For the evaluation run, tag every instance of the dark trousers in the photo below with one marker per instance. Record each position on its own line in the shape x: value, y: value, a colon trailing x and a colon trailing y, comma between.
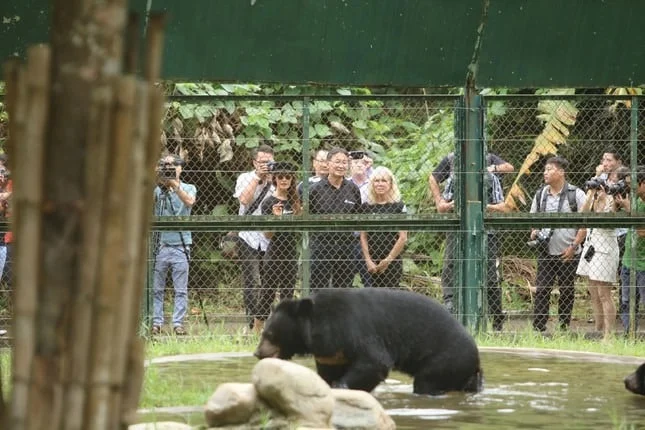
x: 251, y: 263
x: 493, y: 287
x: 361, y: 265
x: 625, y: 286
x: 278, y: 276
x: 549, y: 269
x: 332, y: 265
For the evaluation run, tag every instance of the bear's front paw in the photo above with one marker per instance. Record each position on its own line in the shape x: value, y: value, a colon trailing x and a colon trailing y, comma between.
x: 339, y: 384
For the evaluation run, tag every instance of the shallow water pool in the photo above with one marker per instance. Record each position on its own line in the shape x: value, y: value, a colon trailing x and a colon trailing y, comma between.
x: 522, y: 389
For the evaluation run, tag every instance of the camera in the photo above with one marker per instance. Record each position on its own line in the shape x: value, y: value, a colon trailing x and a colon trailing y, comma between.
x: 166, y: 170
x: 595, y: 183
x: 356, y: 155
x: 271, y: 165
x: 620, y: 188
x: 541, y: 240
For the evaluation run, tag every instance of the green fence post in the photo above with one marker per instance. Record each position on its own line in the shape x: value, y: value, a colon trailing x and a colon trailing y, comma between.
x: 472, y: 164
x: 632, y: 231
x: 306, y: 149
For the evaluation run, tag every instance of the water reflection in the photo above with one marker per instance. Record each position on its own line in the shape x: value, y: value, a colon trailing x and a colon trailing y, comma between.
x: 521, y: 390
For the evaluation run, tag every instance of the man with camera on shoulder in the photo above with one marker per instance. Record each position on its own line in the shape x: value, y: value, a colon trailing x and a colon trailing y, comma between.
x: 172, y: 198
x: 559, y: 248
x: 251, y: 189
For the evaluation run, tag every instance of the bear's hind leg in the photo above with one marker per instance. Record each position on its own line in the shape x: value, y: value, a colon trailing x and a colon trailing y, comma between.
x: 428, y: 384
x: 364, y: 375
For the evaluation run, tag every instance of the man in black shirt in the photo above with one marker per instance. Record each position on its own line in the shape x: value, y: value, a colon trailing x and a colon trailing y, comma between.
x: 332, y: 258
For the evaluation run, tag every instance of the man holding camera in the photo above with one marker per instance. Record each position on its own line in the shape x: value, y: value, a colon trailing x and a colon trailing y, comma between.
x: 559, y: 247
x: 444, y: 172
x: 172, y: 198
x: 251, y: 188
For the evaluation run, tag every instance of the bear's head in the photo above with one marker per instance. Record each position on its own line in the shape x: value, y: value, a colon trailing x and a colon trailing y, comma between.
x: 635, y: 382
x: 285, y: 332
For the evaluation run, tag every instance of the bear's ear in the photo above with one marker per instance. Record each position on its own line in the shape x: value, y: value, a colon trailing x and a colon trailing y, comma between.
x: 305, y: 307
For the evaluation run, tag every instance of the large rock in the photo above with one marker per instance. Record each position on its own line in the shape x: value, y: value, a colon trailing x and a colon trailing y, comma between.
x: 231, y: 403
x: 162, y: 425
x: 294, y: 391
x: 359, y: 410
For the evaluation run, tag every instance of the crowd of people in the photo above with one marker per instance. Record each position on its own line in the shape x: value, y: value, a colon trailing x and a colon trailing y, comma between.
x: 346, y: 182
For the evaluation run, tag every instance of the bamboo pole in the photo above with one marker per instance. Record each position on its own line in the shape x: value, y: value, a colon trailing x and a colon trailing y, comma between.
x: 124, y: 328
x: 96, y: 175
x: 27, y: 225
x: 107, y: 303
x: 135, y: 368
x: 150, y: 140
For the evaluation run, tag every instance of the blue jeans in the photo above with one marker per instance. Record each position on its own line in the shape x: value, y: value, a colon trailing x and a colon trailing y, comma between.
x: 624, y: 293
x: 173, y: 259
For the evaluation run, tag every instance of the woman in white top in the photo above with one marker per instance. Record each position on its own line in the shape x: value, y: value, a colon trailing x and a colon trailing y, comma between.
x: 599, y: 262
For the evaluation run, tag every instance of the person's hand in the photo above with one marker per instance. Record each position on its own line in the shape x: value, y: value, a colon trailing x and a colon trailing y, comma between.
x: 277, y: 209
x: 173, y: 184
x: 568, y: 253
x: 623, y: 202
x: 533, y: 234
x: 371, y: 266
x: 262, y: 171
x: 383, y: 265
x: 444, y: 206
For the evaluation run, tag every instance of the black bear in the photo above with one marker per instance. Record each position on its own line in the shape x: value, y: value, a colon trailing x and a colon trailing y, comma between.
x: 635, y: 382
x: 358, y: 335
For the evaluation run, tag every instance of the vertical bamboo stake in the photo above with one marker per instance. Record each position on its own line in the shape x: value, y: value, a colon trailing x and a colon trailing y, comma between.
x: 96, y: 175
x: 27, y: 225
x: 135, y: 368
x: 150, y: 147
x: 108, y: 299
x: 125, y: 327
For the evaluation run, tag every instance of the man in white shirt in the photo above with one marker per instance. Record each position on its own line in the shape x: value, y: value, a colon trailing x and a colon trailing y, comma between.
x: 251, y: 189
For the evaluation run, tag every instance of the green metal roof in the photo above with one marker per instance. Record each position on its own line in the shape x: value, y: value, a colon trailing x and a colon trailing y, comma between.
x: 524, y: 43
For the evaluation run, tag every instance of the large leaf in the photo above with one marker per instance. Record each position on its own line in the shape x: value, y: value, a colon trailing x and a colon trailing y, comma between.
x: 558, y: 116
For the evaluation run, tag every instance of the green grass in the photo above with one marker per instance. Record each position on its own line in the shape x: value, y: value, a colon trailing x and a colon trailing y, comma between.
x: 566, y: 341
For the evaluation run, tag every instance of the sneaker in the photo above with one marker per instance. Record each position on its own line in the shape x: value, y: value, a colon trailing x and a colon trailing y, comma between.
x: 156, y: 330
x: 180, y: 330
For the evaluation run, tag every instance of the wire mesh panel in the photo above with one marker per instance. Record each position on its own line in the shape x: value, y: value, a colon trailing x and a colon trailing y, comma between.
x: 255, y: 203
x: 292, y: 171
x: 569, y: 155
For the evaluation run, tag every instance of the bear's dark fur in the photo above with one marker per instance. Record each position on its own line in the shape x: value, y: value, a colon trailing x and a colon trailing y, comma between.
x: 635, y: 382
x: 357, y: 336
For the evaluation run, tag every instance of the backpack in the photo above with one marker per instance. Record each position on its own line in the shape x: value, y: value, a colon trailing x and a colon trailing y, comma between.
x: 571, y: 194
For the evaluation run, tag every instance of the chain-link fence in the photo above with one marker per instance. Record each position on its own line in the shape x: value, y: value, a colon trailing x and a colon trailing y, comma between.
x: 398, y: 208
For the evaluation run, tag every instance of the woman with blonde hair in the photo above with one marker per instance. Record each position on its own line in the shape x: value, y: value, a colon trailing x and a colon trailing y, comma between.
x: 382, y: 250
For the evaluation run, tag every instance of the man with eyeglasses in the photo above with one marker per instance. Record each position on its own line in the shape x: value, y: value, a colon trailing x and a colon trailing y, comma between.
x: 251, y: 189
x: 332, y: 252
